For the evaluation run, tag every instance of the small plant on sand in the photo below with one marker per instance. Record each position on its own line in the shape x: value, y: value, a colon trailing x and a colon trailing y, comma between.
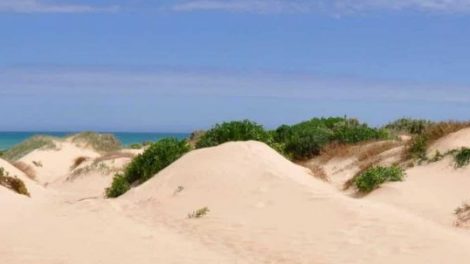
x: 12, y: 183
x: 154, y: 159
x: 37, y: 163
x: 373, y: 177
x: 27, y: 146
x: 199, y: 213
x: 462, y: 158
x: 233, y: 131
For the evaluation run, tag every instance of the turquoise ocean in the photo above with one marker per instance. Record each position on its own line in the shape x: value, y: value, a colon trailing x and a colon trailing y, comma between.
x: 9, y: 139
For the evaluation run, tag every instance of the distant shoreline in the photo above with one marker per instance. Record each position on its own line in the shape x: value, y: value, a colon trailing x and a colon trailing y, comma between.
x: 9, y: 139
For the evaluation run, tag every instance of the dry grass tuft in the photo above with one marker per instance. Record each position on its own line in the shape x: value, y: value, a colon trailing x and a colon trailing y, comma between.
x: 463, y: 216
x: 26, y: 169
x: 336, y: 150
x: 78, y: 161
x: 13, y: 183
x: 114, y: 155
x: 318, y: 172
x: 372, y: 150
x: 416, y: 148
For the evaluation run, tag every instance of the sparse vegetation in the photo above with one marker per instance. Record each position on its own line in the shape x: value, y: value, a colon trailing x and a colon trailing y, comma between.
x: 463, y: 215
x: 418, y: 146
x: 13, y: 183
x: 373, y: 177
x: 26, y: 169
x: 462, y: 158
x: 408, y: 125
x: 199, y: 213
x: 77, y: 162
x: 234, y: 131
x: 29, y: 145
x: 99, y: 142
x: 155, y: 158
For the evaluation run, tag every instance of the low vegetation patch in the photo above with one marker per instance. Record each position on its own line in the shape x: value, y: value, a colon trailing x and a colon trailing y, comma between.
x: 140, y: 145
x: 462, y: 158
x: 154, y: 159
x: 307, y: 139
x: 419, y: 144
x: 463, y: 216
x: 13, y: 183
x: 199, y: 213
x: 233, y: 131
x: 408, y: 125
x: 29, y: 145
x: 99, y: 142
x: 28, y: 170
x: 373, y: 177
x: 78, y: 161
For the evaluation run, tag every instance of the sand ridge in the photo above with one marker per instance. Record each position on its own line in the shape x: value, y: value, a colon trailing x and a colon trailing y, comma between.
x: 262, y: 209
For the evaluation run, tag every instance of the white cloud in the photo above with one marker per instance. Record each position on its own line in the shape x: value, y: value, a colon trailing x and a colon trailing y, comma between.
x: 330, y: 6
x: 37, y: 6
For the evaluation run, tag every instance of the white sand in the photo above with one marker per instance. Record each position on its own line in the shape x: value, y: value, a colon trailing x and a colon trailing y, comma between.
x: 452, y: 141
x: 263, y: 209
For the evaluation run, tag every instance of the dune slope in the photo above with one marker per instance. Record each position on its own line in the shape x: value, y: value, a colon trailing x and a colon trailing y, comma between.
x: 265, y: 208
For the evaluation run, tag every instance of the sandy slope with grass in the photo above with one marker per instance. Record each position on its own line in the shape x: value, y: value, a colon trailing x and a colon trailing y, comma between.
x: 254, y: 206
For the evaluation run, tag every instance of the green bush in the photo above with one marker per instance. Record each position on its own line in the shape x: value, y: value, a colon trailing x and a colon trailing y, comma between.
x: 234, y: 131
x: 417, y: 147
x: 13, y: 183
x: 27, y: 146
x: 462, y: 158
x: 155, y: 158
x: 305, y: 142
x: 373, y: 177
x: 306, y: 139
x: 119, y: 186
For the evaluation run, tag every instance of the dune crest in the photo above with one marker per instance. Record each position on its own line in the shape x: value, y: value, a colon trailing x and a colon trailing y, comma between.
x: 272, y: 210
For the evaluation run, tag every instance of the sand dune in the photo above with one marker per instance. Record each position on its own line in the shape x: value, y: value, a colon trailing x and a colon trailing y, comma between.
x: 275, y: 211
x: 262, y: 209
x: 452, y: 141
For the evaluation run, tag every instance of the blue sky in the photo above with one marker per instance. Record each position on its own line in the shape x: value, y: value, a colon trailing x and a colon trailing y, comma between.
x: 182, y: 65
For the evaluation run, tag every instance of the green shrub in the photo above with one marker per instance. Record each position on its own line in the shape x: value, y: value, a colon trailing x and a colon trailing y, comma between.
x: 99, y: 142
x: 306, y: 139
x: 119, y: 186
x: 234, y: 131
x: 27, y: 146
x: 417, y: 147
x: 305, y: 142
x: 13, y: 183
x: 155, y: 158
x: 373, y: 177
x: 462, y: 158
